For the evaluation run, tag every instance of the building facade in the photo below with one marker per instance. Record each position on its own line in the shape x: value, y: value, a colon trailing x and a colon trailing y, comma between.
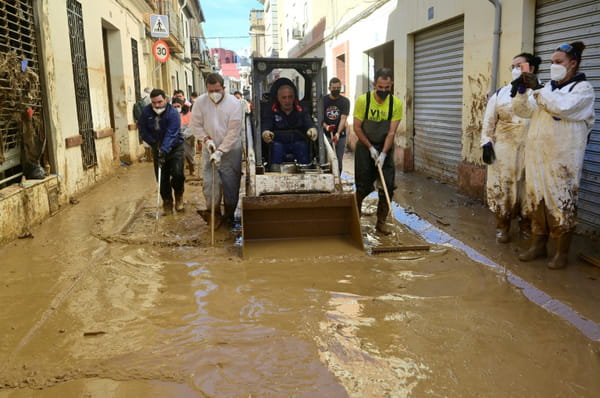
x: 78, y: 68
x: 445, y: 63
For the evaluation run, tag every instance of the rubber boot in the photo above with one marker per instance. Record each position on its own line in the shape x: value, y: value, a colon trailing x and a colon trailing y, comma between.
x: 502, y: 228
x: 229, y: 216
x: 359, y: 200
x: 168, y: 206
x: 205, y: 214
x: 382, y: 212
x: 525, y: 228
x: 179, y: 202
x: 561, y: 257
x: 537, y: 248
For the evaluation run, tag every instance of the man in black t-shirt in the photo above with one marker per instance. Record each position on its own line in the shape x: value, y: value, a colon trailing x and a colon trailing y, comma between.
x: 335, y: 114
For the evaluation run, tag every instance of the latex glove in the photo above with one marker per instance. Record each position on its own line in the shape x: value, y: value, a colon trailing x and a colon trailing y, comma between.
x: 380, y: 159
x: 210, y: 145
x: 268, y: 136
x: 312, y: 133
x: 216, y: 158
x: 161, y: 159
x: 517, y: 85
x: 330, y: 128
x: 374, y: 153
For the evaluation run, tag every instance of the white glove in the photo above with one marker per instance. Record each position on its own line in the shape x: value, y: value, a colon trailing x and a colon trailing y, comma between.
x: 380, y: 159
x: 268, y: 136
x: 312, y: 133
x: 210, y: 145
x: 374, y: 153
x: 216, y: 158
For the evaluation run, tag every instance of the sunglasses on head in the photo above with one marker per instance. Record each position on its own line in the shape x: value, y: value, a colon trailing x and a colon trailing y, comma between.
x: 567, y: 48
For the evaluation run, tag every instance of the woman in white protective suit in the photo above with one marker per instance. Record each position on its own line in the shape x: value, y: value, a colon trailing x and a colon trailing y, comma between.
x: 561, y: 120
x: 503, y: 142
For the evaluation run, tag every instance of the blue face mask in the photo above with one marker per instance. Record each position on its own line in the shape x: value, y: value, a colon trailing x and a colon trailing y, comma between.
x: 382, y: 94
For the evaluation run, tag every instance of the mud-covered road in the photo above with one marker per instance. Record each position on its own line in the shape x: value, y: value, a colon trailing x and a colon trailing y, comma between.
x: 104, y: 301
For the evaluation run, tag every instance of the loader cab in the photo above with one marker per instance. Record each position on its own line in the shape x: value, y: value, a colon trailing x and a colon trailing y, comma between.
x: 305, y: 74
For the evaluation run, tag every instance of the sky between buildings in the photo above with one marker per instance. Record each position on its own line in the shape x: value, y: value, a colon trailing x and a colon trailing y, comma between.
x: 228, y: 23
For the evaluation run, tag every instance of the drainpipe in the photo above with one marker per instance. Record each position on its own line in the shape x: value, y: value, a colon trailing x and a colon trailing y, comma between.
x: 496, y: 50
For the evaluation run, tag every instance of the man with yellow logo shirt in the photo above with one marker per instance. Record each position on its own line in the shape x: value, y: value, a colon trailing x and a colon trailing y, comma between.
x: 376, y: 117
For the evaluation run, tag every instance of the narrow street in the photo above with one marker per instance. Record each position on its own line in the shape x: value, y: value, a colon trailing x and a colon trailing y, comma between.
x: 104, y: 300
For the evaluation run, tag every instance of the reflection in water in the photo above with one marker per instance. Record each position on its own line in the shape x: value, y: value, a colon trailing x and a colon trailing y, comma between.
x: 361, y: 367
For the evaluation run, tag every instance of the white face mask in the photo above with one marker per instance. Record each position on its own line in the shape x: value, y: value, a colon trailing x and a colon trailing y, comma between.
x: 158, y: 111
x: 516, y: 72
x: 215, y: 97
x: 557, y: 72
x: 177, y: 109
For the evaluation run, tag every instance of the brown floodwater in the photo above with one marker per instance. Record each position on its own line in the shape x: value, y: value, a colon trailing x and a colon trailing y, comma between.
x: 107, y: 301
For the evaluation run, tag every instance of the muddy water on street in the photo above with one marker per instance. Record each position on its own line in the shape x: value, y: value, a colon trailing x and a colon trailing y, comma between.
x: 105, y: 301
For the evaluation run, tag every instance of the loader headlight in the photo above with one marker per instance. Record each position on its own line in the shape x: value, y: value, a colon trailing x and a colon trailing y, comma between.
x: 261, y: 66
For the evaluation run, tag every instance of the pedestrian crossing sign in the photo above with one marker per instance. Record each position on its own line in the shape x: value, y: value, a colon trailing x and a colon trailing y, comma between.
x: 159, y: 25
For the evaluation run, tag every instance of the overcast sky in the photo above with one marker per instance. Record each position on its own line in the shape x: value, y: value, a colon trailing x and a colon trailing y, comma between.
x: 227, y: 19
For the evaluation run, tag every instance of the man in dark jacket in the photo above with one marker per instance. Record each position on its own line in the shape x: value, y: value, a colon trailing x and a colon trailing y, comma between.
x: 285, y: 115
x: 160, y: 127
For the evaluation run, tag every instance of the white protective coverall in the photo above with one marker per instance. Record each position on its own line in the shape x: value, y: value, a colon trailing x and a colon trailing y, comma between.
x: 561, y: 119
x: 222, y: 123
x: 506, y: 176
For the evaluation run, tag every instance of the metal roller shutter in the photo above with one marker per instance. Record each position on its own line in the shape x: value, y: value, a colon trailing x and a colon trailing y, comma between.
x: 438, y: 77
x: 565, y: 21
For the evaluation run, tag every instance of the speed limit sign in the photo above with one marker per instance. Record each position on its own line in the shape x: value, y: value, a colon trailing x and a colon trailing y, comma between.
x: 160, y: 50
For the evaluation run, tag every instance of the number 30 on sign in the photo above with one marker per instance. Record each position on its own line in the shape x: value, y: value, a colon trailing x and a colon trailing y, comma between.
x: 161, y: 52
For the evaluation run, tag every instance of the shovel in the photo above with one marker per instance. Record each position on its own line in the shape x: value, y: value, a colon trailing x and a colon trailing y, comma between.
x: 158, y: 193
x: 212, y: 206
x: 389, y: 249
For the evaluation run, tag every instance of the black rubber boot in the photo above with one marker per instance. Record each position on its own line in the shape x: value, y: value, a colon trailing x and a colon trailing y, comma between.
x: 168, y: 206
x: 382, y: 213
x: 179, y: 202
x: 359, y: 200
x: 537, y: 248
x: 229, y: 216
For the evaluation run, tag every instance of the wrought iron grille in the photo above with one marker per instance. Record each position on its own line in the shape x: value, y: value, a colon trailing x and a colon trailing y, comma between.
x: 136, y: 69
x: 82, y: 87
x: 17, y: 43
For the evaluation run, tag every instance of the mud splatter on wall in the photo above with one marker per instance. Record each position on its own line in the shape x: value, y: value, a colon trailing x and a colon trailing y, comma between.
x: 475, y: 109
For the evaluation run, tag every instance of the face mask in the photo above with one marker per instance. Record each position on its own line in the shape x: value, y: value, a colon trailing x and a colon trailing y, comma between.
x: 516, y: 72
x: 557, y: 72
x: 335, y: 93
x: 215, y: 97
x: 177, y: 109
x: 158, y: 111
x: 382, y: 94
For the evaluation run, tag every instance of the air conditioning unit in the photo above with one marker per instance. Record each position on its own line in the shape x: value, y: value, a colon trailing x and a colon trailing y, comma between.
x: 297, y: 33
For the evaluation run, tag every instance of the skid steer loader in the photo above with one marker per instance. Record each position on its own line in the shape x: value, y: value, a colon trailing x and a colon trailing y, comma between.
x: 292, y: 209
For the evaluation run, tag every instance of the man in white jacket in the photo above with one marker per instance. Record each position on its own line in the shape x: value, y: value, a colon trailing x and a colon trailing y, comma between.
x: 216, y: 121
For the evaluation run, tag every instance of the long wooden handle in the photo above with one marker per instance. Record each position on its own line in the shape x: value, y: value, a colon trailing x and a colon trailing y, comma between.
x: 387, y: 195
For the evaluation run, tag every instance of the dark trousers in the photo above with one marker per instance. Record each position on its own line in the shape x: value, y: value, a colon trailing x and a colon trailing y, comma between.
x: 172, y: 177
x: 365, y: 171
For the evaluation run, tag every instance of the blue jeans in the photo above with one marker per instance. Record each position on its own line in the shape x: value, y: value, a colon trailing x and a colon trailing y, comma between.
x: 289, y: 148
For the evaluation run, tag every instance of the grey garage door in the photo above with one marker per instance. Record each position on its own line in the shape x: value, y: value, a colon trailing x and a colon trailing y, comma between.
x: 438, y: 77
x: 565, y: 21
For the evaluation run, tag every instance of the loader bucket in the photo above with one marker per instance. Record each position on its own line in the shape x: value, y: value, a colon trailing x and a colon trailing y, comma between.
x: 300, y: 225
